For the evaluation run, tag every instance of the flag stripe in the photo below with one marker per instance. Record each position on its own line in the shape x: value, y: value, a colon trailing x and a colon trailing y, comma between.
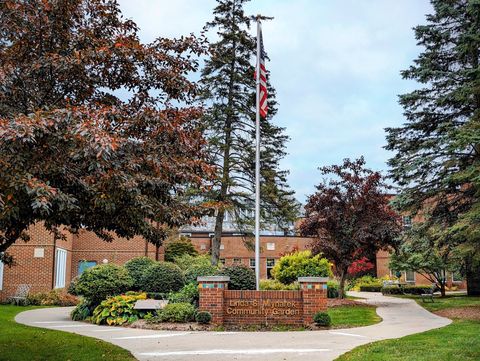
x: 263, y: 80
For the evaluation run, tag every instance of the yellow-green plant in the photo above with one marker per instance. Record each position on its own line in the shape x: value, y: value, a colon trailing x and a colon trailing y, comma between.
x: 301, y: 264
x: 119, y: 309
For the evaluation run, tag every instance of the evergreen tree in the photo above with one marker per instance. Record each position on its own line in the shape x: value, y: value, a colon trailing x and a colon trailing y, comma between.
x: 229, y: 92
x: 437, y: 150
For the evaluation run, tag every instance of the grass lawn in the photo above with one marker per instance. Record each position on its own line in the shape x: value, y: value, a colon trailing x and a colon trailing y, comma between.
x: 457, y: 341
x: 19, y: 343
x: 353, y: 316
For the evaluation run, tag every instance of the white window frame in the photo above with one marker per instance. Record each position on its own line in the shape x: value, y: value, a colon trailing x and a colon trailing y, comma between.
x: 271, y: 246
x: 251, y: 262
x: 60, y: 267
x: 1, y: 275
x: 414, y: 277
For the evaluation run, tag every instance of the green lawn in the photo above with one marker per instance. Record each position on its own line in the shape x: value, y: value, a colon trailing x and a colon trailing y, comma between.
x: 457, y: 341
x: 20, y: 343
x: 353, y: 316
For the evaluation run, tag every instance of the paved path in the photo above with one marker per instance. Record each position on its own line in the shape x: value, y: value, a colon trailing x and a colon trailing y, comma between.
x: 400, y: 316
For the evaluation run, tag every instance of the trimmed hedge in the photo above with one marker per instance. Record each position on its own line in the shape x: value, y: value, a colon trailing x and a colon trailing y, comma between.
x: 136, y: 267
x: 410, y: 290
x: 322, y: 319
x: 162, y: 277
x: 203, y: 317
x: 100, y: 282
x: 241, y: 277
x: 371, y: 288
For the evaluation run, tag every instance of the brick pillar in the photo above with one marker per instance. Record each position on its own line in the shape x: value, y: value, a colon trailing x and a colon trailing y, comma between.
x: 314, y: 293
x: 211, y: 290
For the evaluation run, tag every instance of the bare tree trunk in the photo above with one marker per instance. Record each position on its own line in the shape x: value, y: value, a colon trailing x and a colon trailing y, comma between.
x: 341, y: 286
x: 217, y: 237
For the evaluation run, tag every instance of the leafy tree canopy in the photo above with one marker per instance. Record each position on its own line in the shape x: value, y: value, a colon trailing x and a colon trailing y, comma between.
x: 97, y: 129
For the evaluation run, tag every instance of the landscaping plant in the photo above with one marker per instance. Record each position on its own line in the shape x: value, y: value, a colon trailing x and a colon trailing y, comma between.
x: 275, y: 285
x: 241, y: 277
x: 322, y: 319
x: 300, y: 264
x: 188, y: 294
x: 203, y: 317
x: 178, y: 248
x: 175, y: 312
x: 162, y: 277
x: 119, y: 310
x: 136, y: 267
x: 56, y: 297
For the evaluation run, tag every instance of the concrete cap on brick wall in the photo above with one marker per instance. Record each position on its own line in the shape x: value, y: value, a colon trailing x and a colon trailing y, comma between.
x: 213, y: 279
x: 313, y: 279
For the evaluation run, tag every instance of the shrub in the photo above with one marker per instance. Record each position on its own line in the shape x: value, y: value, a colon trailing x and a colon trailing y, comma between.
x: 57, y: 297
x: 332, y: 289
x: 275, y: 285
x: 187, y: 261
x: 322, y: 319
x: 162, y: 277
x: 370, y: 288
x: 203, y: 317
x: 83, y: 311
x: 119, y: 310
x: 188, y: 294
x: 196, y: 270
x: 179, y: 247
x: 300, y: 264
x: 411, y: 290
x: 241, y: 277
x: 136, y: 268
x: 175, y: 312
x: 99, y: 282
x: 391, y: 290
x: 355, y: 284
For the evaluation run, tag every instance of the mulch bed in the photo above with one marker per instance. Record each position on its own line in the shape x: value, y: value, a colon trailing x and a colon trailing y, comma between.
x: 464, y: 313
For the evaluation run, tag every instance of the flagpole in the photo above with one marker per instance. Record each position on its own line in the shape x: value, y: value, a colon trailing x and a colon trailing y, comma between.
x: 257, y: 163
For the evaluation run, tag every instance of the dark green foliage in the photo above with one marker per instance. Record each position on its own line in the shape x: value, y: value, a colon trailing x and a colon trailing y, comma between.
x: 229, y: 89
x: 162, y: 277
x: 332, y: 289
x: 175, y: 312
x: 99, y: 282
x: 322, y: 319
x: 178, y: 248
x: 370, y: 288
x: 188, y: 294
x: 83, y: 310
x: 195, y: 271
x: 203, y: 317
x: 437, y: 150
x: 300, y: 264
x: 241, y: 277
x: 136, y: 267
x: 409, y: 290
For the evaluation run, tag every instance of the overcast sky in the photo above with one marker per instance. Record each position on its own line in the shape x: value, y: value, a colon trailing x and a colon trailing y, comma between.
x: 334, y: 63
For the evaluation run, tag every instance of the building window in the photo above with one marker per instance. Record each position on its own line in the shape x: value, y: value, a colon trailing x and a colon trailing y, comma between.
x: 60, y: 267
x: 271, y: 246
x: 1, y: 275
x: 252, y: 263
x: 270, y: 265
x: 457, y: 277
x: 410, y: 276
x: 222, y: 261
x: 237, y: 261
x: 407, y: 222
x: 84, y: 265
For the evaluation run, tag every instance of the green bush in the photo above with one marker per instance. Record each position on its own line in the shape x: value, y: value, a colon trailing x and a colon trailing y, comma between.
x: 322, y: 319
x: 332, y: 289
x: 118, y: 310
x: 162, y: 277
x: 175, y: 312
x: 275, y: 285
x: 241, y: 277
x: 178, y: 248
x: 203, y: 317
x: 186, y: 261
x: 370, y: 288
x: 392, y: 290
x: 357, y: 283
x: 195, y: 271
x: 411, y: 290
x: 99, y: 282
x: 136, y: 267
x: 188, y: 294
x: 300, y: 264
x: 83, y: 311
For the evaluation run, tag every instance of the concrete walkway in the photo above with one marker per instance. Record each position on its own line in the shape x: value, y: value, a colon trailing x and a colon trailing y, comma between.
x: 400, y: 316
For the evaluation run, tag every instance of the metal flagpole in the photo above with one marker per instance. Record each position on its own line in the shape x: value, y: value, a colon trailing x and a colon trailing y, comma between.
x: 257, y: 163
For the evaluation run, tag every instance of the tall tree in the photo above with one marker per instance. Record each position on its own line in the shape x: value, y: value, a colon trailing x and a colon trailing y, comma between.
x: 437, y: 159
x: 349, y: 216
x: 72, y: 152
x: 229, y: 91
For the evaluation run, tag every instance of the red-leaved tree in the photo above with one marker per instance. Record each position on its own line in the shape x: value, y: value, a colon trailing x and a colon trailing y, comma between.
x: 349, y: 216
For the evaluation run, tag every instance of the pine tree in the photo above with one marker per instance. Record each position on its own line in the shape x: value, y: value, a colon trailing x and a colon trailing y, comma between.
x: 229, y: 92
x: 437, y: 159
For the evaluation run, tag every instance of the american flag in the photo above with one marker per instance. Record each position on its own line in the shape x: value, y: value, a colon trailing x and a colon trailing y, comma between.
x: 263, y: 79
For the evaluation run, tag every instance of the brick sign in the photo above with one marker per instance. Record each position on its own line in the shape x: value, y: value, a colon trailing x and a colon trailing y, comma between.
x: 262, y: 307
